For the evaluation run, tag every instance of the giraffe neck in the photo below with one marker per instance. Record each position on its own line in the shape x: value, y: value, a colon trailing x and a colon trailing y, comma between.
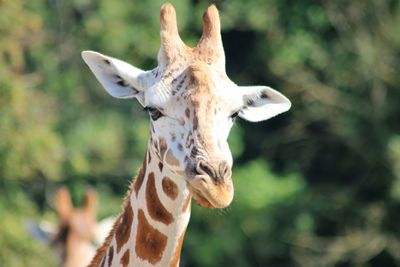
x: 151, y: 229
x: 79, y: 252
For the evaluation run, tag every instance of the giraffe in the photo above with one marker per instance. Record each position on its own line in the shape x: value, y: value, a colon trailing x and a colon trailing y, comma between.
x: 75, y: 236
x: 192, y: 106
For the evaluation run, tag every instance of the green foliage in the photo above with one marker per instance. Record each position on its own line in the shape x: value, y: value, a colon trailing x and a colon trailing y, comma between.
x: 18, y: 248
x: 318, y: 186
x: 257, y: 188
x: 227, y: 238
x: 394, y: 154
x: 27, y: 115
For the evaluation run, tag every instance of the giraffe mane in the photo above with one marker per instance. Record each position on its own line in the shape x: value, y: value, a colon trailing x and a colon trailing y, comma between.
x: 101, y: 251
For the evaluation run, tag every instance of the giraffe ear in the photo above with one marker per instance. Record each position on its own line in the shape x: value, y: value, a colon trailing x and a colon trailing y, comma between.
x: 120, y: 79
x: 63, y: 204
x: 261, y: 103
x: 90, y: 207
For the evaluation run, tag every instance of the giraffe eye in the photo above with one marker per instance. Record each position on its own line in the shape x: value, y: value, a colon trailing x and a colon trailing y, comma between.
x: 155, y: 114
x: 234, y: 115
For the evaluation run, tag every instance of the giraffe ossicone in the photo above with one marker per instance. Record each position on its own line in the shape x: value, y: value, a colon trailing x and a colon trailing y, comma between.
x: 192, y: 104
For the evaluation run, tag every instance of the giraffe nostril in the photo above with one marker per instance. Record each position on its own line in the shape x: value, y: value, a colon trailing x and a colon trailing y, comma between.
x: 217, y: 173
x: 224, y: 169
x: 205, y: 168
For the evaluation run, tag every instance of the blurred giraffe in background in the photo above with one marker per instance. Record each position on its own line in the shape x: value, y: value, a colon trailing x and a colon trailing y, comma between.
x: 77, y: 235
x: 192, y: 104
x: 75, y: 239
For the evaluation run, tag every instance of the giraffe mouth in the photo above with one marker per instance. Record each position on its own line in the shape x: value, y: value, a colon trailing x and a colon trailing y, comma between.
x: 199, y: 198
x: 208, y: 195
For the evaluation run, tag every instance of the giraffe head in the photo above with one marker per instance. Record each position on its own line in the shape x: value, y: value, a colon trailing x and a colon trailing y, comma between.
x: 192, y: 104
x: 76, y: 231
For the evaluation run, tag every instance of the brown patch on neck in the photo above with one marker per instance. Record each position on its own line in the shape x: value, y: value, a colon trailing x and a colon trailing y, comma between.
x: 177, y: 255
x: 156, y: 209
x: 150, y: 243
x: 110, y: 255
x: 140, y: 177
x: 123, y: 231
x: 170, y: 188
x: 125, y: 259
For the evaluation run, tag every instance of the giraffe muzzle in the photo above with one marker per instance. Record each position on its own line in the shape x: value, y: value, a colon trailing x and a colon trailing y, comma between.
x: 218, y: 173
x: 211, y: 184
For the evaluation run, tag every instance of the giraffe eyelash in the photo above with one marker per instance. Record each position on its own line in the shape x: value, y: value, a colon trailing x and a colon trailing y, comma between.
x: 155, y: 114
x: 234, y: 115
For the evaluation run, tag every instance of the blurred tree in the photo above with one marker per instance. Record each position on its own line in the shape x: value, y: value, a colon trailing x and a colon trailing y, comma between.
x: 29, y: 144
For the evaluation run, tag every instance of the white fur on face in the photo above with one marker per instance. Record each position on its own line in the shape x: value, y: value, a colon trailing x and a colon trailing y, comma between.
x: 176, y: 127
